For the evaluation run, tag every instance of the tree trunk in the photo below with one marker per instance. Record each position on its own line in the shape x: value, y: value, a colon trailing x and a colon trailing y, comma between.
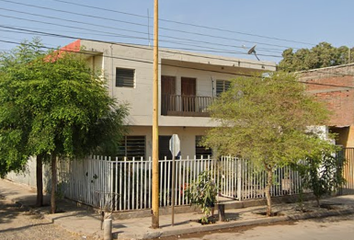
x: 39, y: 178
x: 318, y: 201
x: 54, y: 184
x: 267, y: 190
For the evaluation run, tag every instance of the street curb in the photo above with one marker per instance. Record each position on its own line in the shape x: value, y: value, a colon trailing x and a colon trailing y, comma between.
x: 330, y: 213
x: 53, y: 218
x: 224, y: 225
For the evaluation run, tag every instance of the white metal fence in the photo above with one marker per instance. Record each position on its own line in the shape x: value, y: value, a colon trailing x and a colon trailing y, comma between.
x: 126, y: 184
x: 239, y: 179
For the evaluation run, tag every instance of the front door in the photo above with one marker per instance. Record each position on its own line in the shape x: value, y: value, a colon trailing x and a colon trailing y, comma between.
x: 188, y: 92
x: 168, y: 91
x: 164, y: 147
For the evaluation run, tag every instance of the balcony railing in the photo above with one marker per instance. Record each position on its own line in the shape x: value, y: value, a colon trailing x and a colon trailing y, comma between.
x: 179, y: 105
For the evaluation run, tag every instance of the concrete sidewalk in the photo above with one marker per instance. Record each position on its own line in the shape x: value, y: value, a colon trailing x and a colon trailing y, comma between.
x: 84, y: 221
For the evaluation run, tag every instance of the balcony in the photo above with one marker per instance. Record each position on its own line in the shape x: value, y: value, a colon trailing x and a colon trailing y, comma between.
x: 184, y: 105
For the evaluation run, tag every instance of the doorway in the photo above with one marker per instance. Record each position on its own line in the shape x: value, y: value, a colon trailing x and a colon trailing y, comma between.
x: 188, y: 92
x: 164, y: 147
x: 168, y: 92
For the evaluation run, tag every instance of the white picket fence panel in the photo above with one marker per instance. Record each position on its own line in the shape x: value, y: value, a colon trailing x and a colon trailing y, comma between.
x: 123, y: 185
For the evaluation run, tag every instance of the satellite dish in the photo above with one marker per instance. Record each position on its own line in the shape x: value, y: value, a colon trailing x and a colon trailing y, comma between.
x: 253, y: 50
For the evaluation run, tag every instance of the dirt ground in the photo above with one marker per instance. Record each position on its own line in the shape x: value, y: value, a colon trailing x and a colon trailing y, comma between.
x: 17, y: 223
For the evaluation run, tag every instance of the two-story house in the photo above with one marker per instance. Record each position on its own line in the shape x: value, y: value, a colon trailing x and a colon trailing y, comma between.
x: 188, y: 83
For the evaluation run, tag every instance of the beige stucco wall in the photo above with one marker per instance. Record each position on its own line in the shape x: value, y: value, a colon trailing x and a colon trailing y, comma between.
x: 185, y: 134
x: 205, y: 86
x: 206, y: 69
x: 28, y: 175
x: 139, y: 59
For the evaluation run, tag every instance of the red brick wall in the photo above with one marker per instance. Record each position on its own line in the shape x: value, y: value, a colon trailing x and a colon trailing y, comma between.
x: 335, y: 87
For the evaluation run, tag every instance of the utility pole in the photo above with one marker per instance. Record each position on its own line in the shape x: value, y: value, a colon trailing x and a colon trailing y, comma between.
x: 348, y: 55
x: 155, y: 126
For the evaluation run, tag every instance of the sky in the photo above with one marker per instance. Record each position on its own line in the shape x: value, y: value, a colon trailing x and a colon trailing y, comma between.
x: 223, y: 27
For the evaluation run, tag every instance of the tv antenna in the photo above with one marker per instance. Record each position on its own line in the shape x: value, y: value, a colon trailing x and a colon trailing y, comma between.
x: 253, y: 50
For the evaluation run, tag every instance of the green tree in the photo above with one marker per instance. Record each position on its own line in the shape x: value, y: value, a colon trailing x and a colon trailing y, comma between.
x: 53, y: 106
x: 14, y: 123
x: 322, y: 55
x: 266, y: 120
x: 322, y: 174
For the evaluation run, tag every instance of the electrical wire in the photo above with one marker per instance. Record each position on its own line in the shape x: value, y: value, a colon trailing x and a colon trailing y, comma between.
x: 191, y: 68
x: 70, y: 20
x: 133, y: 46
x: 184, y: 24
x: 139, y: 32
x: 150, y: 62
x: 203, y: 50
x: 72, y: 27
x: 138, y: 24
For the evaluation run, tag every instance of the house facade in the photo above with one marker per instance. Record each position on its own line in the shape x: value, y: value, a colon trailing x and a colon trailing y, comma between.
x: 335, y: 87
x: 188, y: 83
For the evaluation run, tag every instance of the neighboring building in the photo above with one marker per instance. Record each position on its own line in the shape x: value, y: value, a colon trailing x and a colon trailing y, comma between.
x: 188, y: 82
x: 335, y: 87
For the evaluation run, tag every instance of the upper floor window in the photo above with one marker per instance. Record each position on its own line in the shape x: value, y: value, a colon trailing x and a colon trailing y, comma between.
x: 125, y: 77
x: 222, y: 86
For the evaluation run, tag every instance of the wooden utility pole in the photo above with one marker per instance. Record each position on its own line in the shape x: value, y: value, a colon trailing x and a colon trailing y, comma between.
x: 155, y: 127
x: 348, y: 55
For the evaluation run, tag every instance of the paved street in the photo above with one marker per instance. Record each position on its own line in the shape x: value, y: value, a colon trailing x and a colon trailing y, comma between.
x: 315, y: 229
x: 19, y: 224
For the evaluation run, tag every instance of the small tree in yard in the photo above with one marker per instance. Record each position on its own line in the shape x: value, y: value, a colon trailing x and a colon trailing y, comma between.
x: 54, y: 106
x: 322, y: 174
x: 265, y: 120
x: 203, y: 193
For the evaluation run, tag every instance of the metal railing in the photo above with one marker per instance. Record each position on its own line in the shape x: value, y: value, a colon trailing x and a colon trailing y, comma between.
x: 180, y: 105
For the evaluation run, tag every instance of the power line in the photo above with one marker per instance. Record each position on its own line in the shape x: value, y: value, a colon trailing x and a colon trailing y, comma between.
x: 162, y: 50
x: 134, y: 46
x: 66, y: 26
x: 70, y: 20
x: 190, y: 54
x: 65, y: 50
x: 57, y: 35
x: 69, y: 12
x: 186, y: 67
x: 137, y: 60
x: 114, y: 35
x: 46, y: 29
x: 122, y: 29
x: 185, y: 24
x: 138, y: 24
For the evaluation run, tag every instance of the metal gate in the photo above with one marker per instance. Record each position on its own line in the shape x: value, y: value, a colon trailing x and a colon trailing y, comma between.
x: 348, y: 171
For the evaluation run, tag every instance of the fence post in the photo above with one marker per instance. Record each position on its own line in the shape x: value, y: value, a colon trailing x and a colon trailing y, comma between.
x: 239, y: 178
x: 107, y: 229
